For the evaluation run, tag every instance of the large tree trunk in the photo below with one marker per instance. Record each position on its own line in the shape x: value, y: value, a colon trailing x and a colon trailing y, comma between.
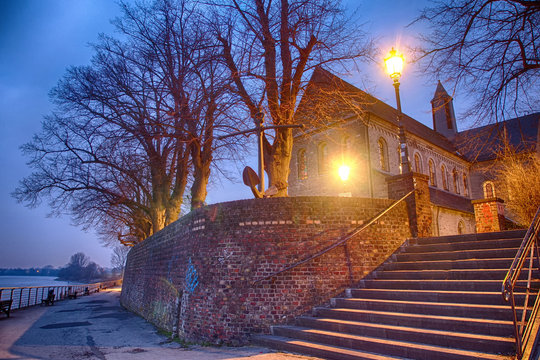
x: 157, y: 214
x: 277, y: 160
x: 198, y: 188
x: 201, y: 158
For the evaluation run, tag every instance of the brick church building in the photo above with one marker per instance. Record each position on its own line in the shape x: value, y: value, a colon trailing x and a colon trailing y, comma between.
x: 362, y: 133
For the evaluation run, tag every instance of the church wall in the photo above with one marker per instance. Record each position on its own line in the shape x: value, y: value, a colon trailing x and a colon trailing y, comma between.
x: 446, y: 221
x: 360, y: 184
x: 328, y: 183
x: 480, y: 173
x: 198, y: 273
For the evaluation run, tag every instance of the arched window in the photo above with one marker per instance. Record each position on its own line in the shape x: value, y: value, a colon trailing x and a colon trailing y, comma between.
x: 455, y: 177
x: 302, y: 164
x: 461, y: 227
x: 432, y: 180
x: 383, y: 154
x: 345, y: 144
x: 322, y: 154
x: 444, y: 175
x: 489, y: 190
x: 417, y: 163
x: 465, y: 185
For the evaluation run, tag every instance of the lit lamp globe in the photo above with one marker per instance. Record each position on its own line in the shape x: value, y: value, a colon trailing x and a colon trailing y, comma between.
x: 394, y: 64
x: 344, y: 172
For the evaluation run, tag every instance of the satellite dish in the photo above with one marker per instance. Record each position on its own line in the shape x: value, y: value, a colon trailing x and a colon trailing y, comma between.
x: 251, y: 179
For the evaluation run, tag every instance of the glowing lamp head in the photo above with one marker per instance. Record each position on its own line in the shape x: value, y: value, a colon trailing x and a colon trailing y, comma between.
x: 344, y: 172
x: 394, y: 64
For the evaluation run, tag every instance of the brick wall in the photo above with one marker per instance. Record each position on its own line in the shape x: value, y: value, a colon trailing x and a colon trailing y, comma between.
x: 489, y: 215
x: 418, y: 204
x: 207, y: 261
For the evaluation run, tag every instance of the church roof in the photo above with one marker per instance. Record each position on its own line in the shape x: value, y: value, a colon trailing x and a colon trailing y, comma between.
x: 382, y: 110
x: 440, y: 92
x: 486, y: 142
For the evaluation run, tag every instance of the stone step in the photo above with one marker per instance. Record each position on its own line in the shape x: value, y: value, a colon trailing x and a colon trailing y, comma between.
x: 497, y: 312
x: 445, y: 296
x: 394, y: 348
x: 317, y: 349
x: 493, y: 327
x: 510, y: 234
x: 445, y: 338
x: 465, y: 245
x: 501, y: 263
x: 439, y: 298
x: 452, y: 274
x: 438, y: 284
x: 457, y: 255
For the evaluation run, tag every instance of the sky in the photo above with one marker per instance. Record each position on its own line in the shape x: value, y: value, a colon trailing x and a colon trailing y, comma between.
x: 39, y: 39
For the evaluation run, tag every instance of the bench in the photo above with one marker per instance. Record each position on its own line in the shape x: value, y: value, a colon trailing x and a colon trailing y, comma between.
x: 5, y: 306
x: 72, y: 295
x: 50, y: 298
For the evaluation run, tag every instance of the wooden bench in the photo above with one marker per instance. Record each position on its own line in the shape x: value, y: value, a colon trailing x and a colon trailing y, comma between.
x: 5, y: 306
x: 49, y: 300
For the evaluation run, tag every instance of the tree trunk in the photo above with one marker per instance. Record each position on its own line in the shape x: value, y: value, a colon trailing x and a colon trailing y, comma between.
x: 201, y: 158
x: 198, y: 188
x: 157, y: 214
x: 278, y: 159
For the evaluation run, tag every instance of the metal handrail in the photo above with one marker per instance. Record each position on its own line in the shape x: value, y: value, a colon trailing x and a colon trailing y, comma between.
x: 27, y: 296
x: 340, y: 241
x: 523, y: 327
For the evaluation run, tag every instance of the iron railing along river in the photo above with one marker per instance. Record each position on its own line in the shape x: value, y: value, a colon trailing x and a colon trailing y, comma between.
x: 32, y: 295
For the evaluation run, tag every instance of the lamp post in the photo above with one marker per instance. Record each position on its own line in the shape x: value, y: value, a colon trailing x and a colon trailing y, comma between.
x: 394, y: 67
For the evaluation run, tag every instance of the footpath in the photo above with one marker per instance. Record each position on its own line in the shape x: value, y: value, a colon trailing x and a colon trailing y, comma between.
x: 97, y: 327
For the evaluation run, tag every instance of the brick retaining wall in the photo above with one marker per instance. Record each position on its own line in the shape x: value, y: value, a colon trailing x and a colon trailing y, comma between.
x: 198, y: 272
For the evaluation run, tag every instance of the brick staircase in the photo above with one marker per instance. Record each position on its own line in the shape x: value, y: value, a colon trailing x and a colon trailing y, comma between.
x: 436, y: 298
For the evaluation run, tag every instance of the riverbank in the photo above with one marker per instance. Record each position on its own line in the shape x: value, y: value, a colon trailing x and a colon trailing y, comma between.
x: 97, y: 327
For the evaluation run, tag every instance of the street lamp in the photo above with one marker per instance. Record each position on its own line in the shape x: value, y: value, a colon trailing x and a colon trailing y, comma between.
x: 394, y: 67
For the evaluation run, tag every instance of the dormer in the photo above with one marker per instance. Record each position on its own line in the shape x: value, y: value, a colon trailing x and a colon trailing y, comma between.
x: 444, y: 118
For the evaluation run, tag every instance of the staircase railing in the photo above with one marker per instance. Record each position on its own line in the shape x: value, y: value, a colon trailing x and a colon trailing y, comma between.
x: 524, y: 260
x: 340, y: 241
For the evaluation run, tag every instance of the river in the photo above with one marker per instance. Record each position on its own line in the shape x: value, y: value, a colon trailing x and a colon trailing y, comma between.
x: 25, y: 281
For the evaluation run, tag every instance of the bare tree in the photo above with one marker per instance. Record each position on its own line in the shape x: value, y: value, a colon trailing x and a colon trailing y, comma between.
x: 270, y: 47
x: 116, y: 153
x: 111, y: 149
x: 118, y: 257
x: 491, y: 47
x: 185, y: 56
x: 518, y: 176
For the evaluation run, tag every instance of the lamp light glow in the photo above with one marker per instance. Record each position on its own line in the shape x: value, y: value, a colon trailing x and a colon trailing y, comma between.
x: 394, y: 64
x: 344, y: 172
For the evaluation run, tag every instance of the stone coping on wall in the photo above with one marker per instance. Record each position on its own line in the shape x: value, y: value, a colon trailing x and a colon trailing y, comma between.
x: 480, y: 201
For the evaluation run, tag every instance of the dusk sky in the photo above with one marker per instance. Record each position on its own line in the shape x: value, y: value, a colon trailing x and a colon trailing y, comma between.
x: 39, y: 39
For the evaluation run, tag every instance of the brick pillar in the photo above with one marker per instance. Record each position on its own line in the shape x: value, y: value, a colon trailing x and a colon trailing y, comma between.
x: 418, y: 204
x: 489, y: 215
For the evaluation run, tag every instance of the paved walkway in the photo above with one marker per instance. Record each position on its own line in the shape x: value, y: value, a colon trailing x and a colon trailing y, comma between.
x: 97, y: 327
